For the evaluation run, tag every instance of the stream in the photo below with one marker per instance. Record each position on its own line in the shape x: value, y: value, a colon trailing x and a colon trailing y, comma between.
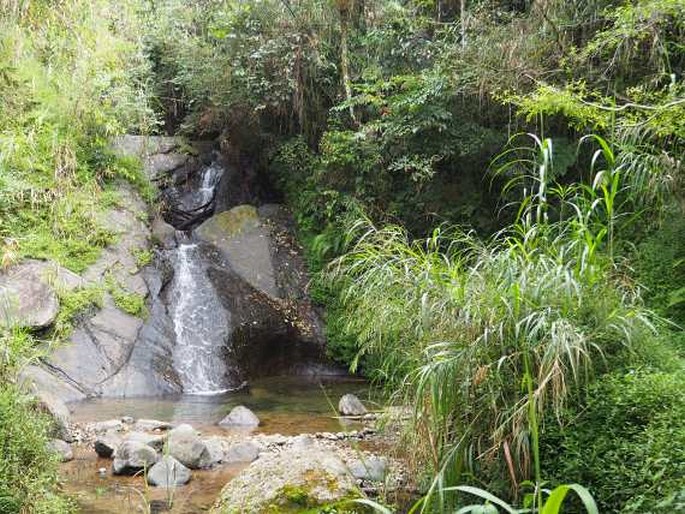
x: 285, y: 405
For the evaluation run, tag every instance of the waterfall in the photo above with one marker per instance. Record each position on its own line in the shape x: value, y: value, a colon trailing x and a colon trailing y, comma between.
x: 210, y: 179
x: 201, y: 323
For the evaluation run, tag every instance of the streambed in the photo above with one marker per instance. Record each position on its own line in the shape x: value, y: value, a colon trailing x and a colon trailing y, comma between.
x: 285, y: 405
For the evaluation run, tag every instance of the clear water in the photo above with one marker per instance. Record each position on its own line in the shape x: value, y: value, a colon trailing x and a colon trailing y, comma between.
x: 285, y: 405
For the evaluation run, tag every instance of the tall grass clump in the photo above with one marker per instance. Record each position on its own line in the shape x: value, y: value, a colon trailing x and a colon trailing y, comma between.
x: 486, y: 338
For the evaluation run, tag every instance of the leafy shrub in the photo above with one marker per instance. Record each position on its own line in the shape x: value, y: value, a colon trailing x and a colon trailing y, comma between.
x: 626, y: 440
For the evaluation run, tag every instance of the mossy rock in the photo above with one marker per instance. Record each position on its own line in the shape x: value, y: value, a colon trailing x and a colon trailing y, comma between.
x: 288, y: 482
x: 230, y: 223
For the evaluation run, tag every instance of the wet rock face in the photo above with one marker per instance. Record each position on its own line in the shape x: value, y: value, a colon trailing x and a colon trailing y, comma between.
x: 258, y: 273
x: 243, y: 240
x: 252, y: 261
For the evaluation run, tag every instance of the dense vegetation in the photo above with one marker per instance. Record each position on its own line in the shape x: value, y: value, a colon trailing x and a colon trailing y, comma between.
x: 490, y: 192
x: 72, y: 75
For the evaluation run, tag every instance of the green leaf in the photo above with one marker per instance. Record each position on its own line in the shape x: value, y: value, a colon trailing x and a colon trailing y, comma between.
x: 556, y: 499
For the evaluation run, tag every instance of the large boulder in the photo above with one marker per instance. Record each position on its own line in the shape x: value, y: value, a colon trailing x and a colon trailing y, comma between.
x: 27, y: 293
x: 101, y: 344
x: 257, y: 271
x: 243, y: 240
x: 286, y: 482
x: 130, y: 145
x: 132, y: 457
x: 59, y: 414
x: 240, y: 417
x: 163, y: 234
x: 158, y: 165
x: 168, y: 472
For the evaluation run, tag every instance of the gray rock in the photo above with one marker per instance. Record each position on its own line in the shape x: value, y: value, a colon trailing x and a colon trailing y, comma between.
x: 106, y: 445
x: 244, y: 242
x: 189, y: 449
x: 132, y: 457
x: 371, y: 468
x: 246, y: 451
x: 158, y: 165
x: 215, y: 448
x: 163, y: 233
x: 320, y: 473
x: 168, y: 472
x: 155, y: 442
x: 107, y: 425
x: 184, y: 429
x: 45, y: 383
x: 350, y: 405
x: 139, y: 146
x: 149, y: 425
x: 149, y: 370
x: 302, y: 442
x: 61, y: 448
x: 54, y: 407
x: 26, y: 298
x: 240, y: 417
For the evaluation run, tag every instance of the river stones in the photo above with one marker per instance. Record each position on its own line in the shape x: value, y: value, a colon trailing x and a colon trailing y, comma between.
x: 189, y: 449
x: 246, y: 451
x: 350, y: 405
x: 152, y: 440
x: 105, y: 445
x: 168, y: 472
x: 61, y: 448
x: 152, y: 424
x: 132, y: 457
x: 104, y: 426
x: 240, y: 417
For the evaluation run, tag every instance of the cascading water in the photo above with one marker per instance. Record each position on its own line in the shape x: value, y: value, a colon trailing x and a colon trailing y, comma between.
x: 210, y: 179
x: 201, y: 323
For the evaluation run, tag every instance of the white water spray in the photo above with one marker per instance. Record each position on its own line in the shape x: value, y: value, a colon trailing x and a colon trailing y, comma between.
x: 201, y: 324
